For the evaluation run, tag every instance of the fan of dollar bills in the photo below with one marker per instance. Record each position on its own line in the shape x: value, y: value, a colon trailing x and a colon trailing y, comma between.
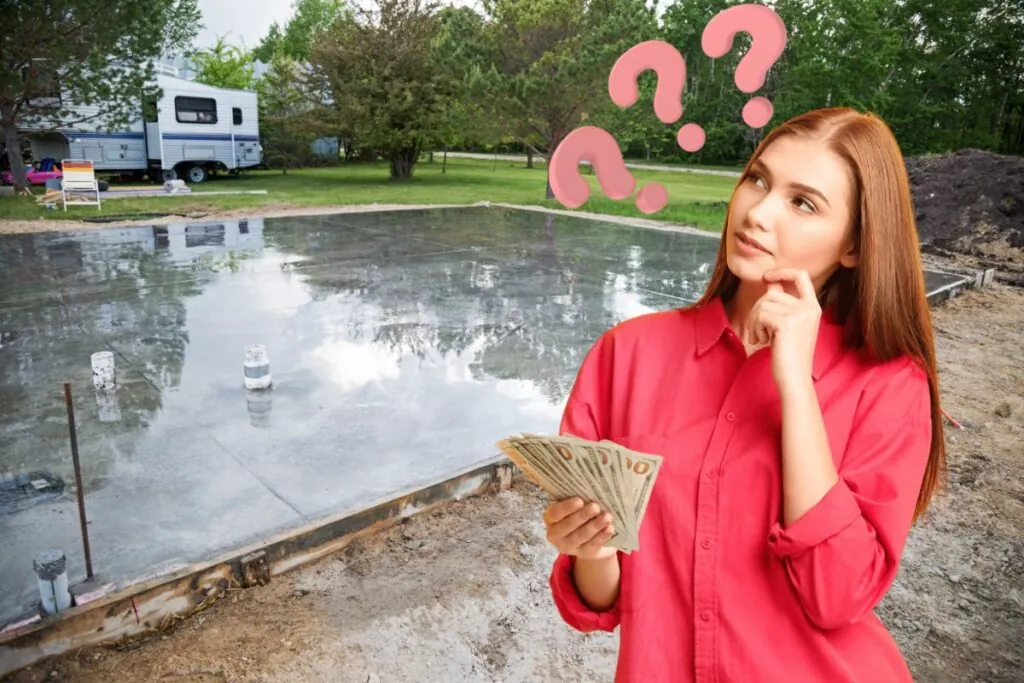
x: 616, y: 478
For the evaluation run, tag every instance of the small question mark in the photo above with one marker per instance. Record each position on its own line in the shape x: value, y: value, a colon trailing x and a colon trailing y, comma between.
x: 768, y: 40
x: 665, y: 60
x: 597, y: 146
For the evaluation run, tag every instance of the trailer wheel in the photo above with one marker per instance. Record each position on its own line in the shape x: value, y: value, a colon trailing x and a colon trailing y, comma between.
x: 196, y: 174
x: 168, y: 174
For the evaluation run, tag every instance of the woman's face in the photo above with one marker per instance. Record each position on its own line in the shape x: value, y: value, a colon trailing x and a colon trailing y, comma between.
x: 791, y: 211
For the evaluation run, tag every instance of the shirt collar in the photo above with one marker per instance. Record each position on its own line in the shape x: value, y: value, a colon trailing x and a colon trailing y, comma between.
x: 712, y: 323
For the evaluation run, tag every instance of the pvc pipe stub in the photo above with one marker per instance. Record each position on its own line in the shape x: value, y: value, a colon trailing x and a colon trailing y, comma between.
x: 256, y: 367
x: 52, y: 579
x: 50, y: 564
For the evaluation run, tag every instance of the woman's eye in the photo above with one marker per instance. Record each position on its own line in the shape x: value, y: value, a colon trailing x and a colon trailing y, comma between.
x: 757, y: 180
x: 804, y: 205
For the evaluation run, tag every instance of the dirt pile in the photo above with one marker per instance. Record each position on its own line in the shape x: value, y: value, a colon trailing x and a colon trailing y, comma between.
x: 971, y: 202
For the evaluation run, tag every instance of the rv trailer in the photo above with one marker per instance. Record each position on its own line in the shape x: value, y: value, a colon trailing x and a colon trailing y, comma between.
x: 192, y: 131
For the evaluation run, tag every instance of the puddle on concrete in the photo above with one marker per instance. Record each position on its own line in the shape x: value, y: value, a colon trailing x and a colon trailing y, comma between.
x: 402, y: 345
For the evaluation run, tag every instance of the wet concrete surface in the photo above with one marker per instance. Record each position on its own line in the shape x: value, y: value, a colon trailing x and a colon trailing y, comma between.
x: 402, y: 346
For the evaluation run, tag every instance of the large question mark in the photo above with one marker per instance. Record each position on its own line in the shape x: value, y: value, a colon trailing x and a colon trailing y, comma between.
x: 602, y: 150
x: 597, y: 146
x: 768, y: 40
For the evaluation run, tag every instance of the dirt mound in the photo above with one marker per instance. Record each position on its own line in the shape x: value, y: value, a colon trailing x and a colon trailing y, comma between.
x: 970, y: 202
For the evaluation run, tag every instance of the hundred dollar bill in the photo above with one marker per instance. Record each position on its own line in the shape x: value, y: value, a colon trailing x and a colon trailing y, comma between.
x: 580, y: 455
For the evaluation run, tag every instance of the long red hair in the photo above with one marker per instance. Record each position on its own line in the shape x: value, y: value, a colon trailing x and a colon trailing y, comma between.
x: 881, y: 302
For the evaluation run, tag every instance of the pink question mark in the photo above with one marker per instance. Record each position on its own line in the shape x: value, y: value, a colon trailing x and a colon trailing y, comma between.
x: 597, y: 146
x: 768, y: 40
x: 665, y: 60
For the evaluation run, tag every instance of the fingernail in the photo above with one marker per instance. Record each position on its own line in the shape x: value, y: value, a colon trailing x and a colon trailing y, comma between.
x: 607, y: 519
x: 594, y: 508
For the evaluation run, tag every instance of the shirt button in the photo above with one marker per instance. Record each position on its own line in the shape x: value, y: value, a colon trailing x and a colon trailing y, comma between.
x: 730, y: 416
x: 705, y: 615
x: 706, y: 543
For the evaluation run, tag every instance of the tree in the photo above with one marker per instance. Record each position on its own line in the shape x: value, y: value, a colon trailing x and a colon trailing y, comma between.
x: 225, y: 66
x: 62, y: 54
x: 383, y: 85
x: 295, y: 40
x: 461, y: 55
x: 287, y: 114
x: 552, y: 59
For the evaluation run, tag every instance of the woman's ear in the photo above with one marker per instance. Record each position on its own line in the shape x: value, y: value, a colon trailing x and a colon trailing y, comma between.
x: 849, y: 259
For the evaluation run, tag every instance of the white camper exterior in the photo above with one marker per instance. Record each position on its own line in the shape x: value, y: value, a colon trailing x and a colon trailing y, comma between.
x: 197, y: 129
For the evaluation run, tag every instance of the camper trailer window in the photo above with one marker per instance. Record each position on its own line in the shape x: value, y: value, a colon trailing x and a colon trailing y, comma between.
x: 195, y: 109
x: 236, y: 114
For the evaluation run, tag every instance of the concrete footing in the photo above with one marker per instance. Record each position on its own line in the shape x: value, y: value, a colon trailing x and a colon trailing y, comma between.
x: 118, y: 615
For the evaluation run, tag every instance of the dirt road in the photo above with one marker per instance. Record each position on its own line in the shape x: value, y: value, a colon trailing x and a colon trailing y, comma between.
x: 461, y: 594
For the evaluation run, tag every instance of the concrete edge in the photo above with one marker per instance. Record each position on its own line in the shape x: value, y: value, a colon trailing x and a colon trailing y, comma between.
x: 947, y: 292
x: 138, y: 610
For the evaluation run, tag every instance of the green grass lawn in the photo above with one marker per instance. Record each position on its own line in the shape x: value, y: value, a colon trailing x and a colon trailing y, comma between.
x: 697, y: 200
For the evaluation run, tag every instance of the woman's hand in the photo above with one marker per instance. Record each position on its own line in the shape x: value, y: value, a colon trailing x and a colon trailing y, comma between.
x: 790, y: 324
x: 578, y: 529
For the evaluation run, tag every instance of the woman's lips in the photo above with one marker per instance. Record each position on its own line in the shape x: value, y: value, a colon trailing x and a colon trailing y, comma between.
x: 751, y: 243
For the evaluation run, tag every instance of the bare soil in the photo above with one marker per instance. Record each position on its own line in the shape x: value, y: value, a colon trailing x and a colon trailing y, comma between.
x: 971, y: 203
x: 461, y: 594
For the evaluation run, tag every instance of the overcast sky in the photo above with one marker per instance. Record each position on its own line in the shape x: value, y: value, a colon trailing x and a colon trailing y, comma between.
x: 246, y: 21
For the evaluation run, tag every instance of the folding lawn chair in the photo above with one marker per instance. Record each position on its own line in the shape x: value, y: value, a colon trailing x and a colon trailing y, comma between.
x: 79, y: 180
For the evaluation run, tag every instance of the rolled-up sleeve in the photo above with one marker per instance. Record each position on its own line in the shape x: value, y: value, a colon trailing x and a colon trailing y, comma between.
x: 843, y: 554
x: 570, y: 605
x: 583, y: 417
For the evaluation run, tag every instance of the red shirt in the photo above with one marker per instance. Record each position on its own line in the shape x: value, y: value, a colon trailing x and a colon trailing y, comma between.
x: 719, y: 591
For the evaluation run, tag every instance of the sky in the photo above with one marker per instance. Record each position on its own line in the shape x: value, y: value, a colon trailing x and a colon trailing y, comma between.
x: 237, y: 19
x: 242, y: 23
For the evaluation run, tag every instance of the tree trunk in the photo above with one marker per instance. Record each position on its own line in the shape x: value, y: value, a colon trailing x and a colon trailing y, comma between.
x: 529, y: 157
x: 402, y: 162
x: 14, y: 155
x: 430, y: 159
x: 444, y: 161
x: 553, y: 144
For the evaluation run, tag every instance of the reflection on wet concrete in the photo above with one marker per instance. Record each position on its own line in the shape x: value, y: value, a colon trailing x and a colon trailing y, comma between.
x: 402, y: 344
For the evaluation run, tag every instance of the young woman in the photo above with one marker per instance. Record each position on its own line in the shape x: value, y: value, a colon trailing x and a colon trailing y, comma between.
x: 796, y: 409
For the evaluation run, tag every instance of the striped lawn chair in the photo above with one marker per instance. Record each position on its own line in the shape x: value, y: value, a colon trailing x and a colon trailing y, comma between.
x: 78, y: 182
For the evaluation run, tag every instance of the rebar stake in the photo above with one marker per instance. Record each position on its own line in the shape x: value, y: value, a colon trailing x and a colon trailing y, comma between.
x: 78, y: 481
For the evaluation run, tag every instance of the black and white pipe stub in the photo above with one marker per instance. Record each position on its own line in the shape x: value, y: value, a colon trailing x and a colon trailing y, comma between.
x: 103, y: 377
x: 257, y: 368
x: 52, y: 577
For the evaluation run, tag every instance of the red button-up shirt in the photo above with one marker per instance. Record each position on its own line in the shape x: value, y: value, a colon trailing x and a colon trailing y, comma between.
x: 720, y: 591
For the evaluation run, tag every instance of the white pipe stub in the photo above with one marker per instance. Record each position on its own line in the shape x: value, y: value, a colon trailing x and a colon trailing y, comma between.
x: 52, y: 577
x: 103, y: 377
x: 256, y: 367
